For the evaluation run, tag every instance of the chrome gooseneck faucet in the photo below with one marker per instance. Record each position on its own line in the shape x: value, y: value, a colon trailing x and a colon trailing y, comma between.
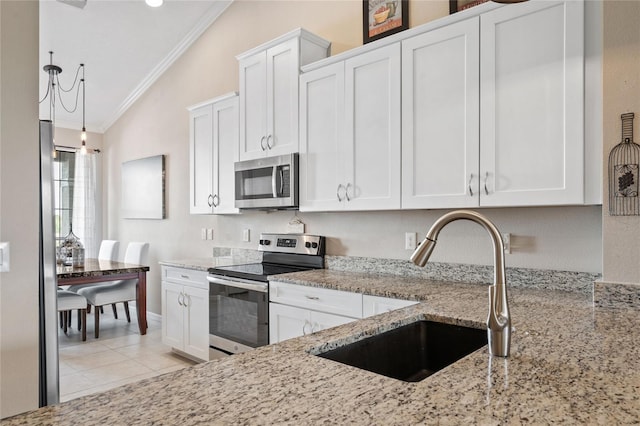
x: 499, y: 320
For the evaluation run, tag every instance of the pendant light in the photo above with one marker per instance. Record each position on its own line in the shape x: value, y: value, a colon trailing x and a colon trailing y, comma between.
x: 55, y: 93
x: 83, y: 135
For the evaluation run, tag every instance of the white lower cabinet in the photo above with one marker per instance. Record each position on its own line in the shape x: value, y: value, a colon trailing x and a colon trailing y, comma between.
x: 374, y: 305
x: 287, y: 322
x: 185, y: 311
x: 297, y: 310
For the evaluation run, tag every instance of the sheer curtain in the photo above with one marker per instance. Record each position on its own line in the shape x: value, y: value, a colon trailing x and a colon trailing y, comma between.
x: 87, y: 196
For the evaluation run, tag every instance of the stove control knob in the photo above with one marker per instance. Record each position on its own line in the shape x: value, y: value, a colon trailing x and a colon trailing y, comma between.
x: 307, y: 244
x: 266, y: 242
x: 314, y: 245
x: 261, y: 242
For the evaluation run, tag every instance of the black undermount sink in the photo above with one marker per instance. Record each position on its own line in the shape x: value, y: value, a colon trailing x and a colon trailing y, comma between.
x: 411, y: 352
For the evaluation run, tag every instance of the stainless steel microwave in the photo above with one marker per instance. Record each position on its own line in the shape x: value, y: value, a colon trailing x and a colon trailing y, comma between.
x: 267, y: 183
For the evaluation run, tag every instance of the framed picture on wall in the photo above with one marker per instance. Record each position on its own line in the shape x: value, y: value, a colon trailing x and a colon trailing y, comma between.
x: 383, y: 17
x: 458, y: 5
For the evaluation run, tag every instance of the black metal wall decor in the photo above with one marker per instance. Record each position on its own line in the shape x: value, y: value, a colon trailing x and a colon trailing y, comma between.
x: 623, y: 173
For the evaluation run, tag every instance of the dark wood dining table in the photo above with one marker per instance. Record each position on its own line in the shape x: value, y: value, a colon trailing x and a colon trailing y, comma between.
x: 95, y: 271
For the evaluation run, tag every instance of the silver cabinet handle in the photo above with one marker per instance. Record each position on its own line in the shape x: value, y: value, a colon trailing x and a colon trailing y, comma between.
x: 486, y: 176
x: 312, y: 297
x: 338, y: 192
x: 346, y: 192
x: 269, y: 138
x: 216, y: 203
x: 180, y: 299
x: 210, y: 200
x: 184, y: 300
x: 262, y: 143
x: 469, y: 184
x: 186, y: 277
x: 315, y: 327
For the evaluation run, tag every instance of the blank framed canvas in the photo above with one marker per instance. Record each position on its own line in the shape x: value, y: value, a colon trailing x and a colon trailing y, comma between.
x: 143, y: 188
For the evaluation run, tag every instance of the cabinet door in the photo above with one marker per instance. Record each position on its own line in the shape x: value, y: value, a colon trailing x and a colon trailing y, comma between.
x: 253, y: 103
x: 225, y: 142
x: 321, y: 320
x: 287, y: 322
x: 440, y: 117
x: 532, y: 81
x: 282, y: 98
x: 196, y: 322
x: 372, y: 130
x: 374, y: 305
x: 172, y: 315
x: 200, y: 160
x: 321, y: 128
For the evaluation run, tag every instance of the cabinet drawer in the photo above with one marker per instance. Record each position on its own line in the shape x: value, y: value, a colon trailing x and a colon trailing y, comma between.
x: 318, y: 299
x: 185, y: 276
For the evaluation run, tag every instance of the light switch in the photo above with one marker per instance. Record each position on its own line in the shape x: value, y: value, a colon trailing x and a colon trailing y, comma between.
x: 245, y: 235
x: 4, y: 257
x: 203, y: 233
x: 210, y: 233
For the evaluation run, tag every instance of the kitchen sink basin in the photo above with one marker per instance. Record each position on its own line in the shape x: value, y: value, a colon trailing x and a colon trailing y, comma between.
x: 411, y: 352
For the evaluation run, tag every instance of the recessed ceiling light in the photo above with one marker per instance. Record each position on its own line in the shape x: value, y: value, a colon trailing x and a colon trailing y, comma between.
x: 154, y: 3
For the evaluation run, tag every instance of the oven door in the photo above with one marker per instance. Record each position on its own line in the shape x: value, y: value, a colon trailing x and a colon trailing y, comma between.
x: 238, y: 314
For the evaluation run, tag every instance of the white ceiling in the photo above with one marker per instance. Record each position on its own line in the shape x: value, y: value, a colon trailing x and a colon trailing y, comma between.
x: 125, y: 46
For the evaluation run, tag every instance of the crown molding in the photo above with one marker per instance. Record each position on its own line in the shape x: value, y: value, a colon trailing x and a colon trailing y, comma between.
x: 205, y: 22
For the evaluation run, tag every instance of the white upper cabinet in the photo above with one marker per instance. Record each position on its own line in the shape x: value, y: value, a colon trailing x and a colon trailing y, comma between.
x: 350, y: 133
x: 213, y: 149
x: 201, y: 159
x: 441, y: 118
x: 225, y: 145
x: 532, y: 104
x: 269, y: 93
x: 321, y: 133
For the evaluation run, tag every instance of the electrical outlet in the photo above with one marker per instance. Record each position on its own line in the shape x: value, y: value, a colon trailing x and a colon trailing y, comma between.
x: 245, y: 235
x: 410, y: 239
x: 203, y: 233
x: 506, y: 240
x: 210, y: 233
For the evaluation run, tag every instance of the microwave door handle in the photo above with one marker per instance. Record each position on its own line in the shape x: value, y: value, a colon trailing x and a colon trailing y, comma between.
x: 274, y: 181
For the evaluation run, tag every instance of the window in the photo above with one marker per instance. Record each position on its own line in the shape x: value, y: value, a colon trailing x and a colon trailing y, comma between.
x: 63, y: 172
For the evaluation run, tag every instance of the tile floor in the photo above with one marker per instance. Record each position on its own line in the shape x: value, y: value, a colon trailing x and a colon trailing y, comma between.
x: 120, y: 356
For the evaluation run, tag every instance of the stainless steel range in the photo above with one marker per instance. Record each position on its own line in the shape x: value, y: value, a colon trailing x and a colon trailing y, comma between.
x: 239, y: 294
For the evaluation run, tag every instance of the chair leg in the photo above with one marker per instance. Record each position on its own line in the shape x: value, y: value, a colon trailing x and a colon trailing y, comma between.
x: 115, y: 311
x: 79, y: 322
x: 65, y: 321
x: 61, y: 319
x: 88, y: 308
x: 126, y: 311
x: 84, y: 324
x: 97, y: 322
x: 101, y: 310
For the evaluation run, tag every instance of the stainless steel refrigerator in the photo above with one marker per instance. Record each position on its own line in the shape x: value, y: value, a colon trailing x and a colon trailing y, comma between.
x: 49, y: 387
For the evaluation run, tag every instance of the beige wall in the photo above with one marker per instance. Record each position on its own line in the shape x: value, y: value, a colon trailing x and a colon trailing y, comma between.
x: 19, y: 176
x: 621, y: 81
x: 550, y: 238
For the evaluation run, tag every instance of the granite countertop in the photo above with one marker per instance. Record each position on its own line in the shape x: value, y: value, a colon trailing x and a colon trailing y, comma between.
x: 570, y: 363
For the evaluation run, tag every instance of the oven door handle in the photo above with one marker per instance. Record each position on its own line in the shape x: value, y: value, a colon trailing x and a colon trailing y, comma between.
x: 247, y: 285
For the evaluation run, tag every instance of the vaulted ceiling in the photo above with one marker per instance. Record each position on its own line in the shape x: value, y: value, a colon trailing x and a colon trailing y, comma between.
x: 125, y: 46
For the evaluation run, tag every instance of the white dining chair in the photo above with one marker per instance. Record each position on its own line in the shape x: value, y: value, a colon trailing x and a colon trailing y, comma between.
x: 108, y: 251
x: 69, y: 301
x: 118, y: 291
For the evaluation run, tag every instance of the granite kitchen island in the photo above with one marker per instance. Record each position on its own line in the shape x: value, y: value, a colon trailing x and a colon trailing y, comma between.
x: 570, y: 363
